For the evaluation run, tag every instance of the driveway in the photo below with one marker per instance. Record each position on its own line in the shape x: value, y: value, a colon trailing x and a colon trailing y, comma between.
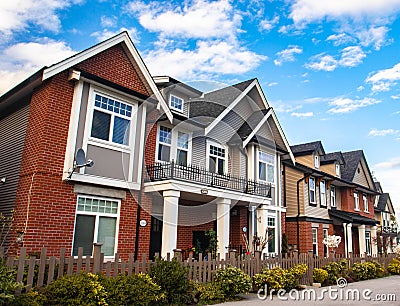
x: 382, y: 291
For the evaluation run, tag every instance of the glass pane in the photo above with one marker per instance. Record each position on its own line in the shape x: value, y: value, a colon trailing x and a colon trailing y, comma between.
x: 101, y: 125
x: 106, y: 235
x: 271, y: 243
x: 312, y: 196
x: 221, y: 166
x: 212, y: 164
x: 165, y: 135
x: 262, y: 171
x: 84, y: 233
x: 121, y: 131
x: 183, y: 139
x: 270, y: 177
x: 164, y: 152
x: 181, y: 157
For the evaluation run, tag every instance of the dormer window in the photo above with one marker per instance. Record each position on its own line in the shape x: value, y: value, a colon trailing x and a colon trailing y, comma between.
x: 316, y: 161
x: 176, y: 103
x: 337, y: 169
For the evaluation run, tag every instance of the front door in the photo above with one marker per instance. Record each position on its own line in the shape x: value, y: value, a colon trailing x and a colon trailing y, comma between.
x: 155, y: 236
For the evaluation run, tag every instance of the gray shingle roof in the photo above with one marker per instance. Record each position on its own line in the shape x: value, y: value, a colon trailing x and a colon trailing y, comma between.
x: 383, y: 198
x: 306, y: 148
x: 332, y: 157
x: 352, y: 159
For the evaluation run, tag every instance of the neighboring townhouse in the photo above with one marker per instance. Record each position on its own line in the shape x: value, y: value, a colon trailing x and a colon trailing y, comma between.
x: 386, y: 216
x: 96, y: 100
x: 326, y: 194
x: 216, y: 167
x: 209, y: 160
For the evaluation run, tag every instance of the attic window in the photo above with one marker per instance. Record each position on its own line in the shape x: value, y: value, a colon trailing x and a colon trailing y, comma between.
x: 176, y: 103
x: 316, y: 161
x: 358, y: 170
x: 337, y: 169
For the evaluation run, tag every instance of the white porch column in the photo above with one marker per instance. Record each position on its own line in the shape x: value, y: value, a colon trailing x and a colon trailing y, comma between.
x: 170, y: 222
x: 223, y: 218
x: 252, y: 230
x: 262, y: 223
x: 374, y: 241
x: 349, y: 239
x: 361, y: 239
x: 345, y: 238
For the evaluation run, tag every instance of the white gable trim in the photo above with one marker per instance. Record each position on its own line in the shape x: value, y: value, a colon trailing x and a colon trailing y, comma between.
x: 84, y: 55
x: 259, y: 125
x: 278, y: 126
x: 229, y: 108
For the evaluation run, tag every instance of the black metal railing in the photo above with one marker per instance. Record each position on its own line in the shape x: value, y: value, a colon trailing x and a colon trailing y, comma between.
x: 171, y: 170
x: 389, y: 229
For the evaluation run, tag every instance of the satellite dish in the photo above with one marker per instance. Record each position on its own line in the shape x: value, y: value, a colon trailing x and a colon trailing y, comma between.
x: 80, y: 161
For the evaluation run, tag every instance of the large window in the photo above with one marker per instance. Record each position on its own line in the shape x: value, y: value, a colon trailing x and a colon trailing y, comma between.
x: 322, y: 192
x: 356, y: 201
x: 271, y: 235
x: 111, y: 120
x: 365, y: 202
x: 315, y: 240
x: 176, y: 103
x: 266, y: 167
x: 333, y: 196
x: 173, y: 145
x: 368, y: 242
x: 216, y: 159
x: 312, y: 190
x: 96, y: 221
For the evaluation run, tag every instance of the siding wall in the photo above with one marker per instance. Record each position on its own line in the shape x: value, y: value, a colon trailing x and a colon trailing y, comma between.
x: 306, y: 160
x: 292, y: 176
x: 359, y: 177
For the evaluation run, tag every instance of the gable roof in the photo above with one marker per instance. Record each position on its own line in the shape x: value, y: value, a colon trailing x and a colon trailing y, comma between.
x: 307, y: 148
x: 383, y: 198
x: 48, y: 72
x: 329, y: 158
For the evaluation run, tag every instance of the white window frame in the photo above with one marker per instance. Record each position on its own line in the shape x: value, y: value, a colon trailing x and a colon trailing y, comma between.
x: 174, y: 143
x: 270, y: 217
x: 171, y: 96
x: 108, y: 144
x: 316, y: 161
x: 333, y: 196
x: 266, y: 165
x: 314, y: 234
x: 356, y: 201
x: 368, y: 242
x: 365, y: 202
x: 322, y: 193
x: 313, y: 190
x: 337, y: 169
x: 97, y: 216
x: 215, y: 144
x: 326, y: 233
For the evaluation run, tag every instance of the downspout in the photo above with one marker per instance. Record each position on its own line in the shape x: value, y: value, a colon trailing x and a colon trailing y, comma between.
x: 137, y: 223
x: 298, y: 211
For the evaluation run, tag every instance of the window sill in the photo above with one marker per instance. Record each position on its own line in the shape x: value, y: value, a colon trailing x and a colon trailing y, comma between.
x: 313, y: 204
x: 108, y: 145
x: 366, y: 211
x: 355, y: 209
x: 324, y: 206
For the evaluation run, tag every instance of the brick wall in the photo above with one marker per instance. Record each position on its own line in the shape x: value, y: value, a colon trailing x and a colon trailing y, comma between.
x: 237, y: 222
x: 347, y: 198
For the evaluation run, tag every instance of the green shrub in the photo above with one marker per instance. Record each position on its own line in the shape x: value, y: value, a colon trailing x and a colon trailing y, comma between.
x: 171, y: 276
x: 82, y: 289
x: 320, y: 275
x: 394, y: 267
x: 8, y: 285
x: 363, y: 271
x: 380, y: 269
x: 31, y: 298
x: 208, y: 293
x: 132, y: 290
x: 232, y: 281
x: 336, y: 270
x: 278, y: 278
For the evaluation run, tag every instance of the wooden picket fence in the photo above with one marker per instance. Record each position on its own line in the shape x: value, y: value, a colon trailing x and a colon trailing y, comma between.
x: 41, y: 271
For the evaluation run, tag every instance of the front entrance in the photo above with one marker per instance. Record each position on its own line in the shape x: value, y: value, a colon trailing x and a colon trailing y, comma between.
x: 356, y: 241
x: 155, y: 236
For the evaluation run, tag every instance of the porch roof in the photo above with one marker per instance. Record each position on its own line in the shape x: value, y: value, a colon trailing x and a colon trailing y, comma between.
x: 349, y: 217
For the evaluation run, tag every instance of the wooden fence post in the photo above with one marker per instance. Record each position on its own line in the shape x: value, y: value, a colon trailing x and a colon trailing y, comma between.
x: 96, y: 257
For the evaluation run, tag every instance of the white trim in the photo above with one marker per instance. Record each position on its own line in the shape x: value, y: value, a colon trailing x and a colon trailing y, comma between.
x: 229, y: 108
x: 99, y: 180
x: 365, y: 201
x: 267, y: 152
x: 316, y: 239
x: 84, y: 55
x: 324, y: 192
x: 285, y: 141
x: 259, y: 125
x: 141, y: 141
x: 315, y: 190
x: 218, y: 145
x: 174, y: 108
x: 72, y: 130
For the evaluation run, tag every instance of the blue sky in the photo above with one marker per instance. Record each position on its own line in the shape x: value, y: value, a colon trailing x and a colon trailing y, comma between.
x: 329, y: 68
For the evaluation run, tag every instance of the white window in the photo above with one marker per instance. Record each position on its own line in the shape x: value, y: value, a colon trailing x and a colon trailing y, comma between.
x: 356, y: 201
x: 365, y: 202
x: 111, y: 120
x: 337, y: 169
x: 368, y: 242
x: 316, y: 161
x: 322, y: 191
x: 266, y: 167
x: 333, y: 196
x: 173, y: 145
x: 176, y: 103
x: 315, y: 240
x: 326, y: 251
x: 271, y: 235
x: 217, y: 159
x: 312, y: 190
x: 96, y: 221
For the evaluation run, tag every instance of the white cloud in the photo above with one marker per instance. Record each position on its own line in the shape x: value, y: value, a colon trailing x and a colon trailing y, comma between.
x: 375, y: 132
x: 360, y: 88
x: 107, y: 21
x: 302, y: 115
x: 280, y: 107
x: 376, y: 36
x: 287, y: 55
x: 393, y: 163
x: 207, y: 59
x: 22, y: 59
x: 17, y: 15
x: 351, y: 56
x: 272, y: 84
x: 340, y: 39
x: 346, y: 105
x: 322, y: 62
x: 268, y: 25
x: 384, y: 79
x: 307, y: 11
x: 105, y: 34
x: 197, y: 19
x: 395, y: 97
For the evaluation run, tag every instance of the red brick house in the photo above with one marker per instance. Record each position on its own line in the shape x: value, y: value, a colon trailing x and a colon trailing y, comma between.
x: 326, y: 194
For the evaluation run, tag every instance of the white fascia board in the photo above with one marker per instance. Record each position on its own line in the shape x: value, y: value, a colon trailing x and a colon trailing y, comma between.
x: 278, y: 126
x: 260, y: 91
x: 84, y: 55
x: 229, y: 108
x: 259, y: 125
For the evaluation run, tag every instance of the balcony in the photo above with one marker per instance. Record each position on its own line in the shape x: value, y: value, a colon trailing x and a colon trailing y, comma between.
x: 389, y: 230
x: 172, y: 171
